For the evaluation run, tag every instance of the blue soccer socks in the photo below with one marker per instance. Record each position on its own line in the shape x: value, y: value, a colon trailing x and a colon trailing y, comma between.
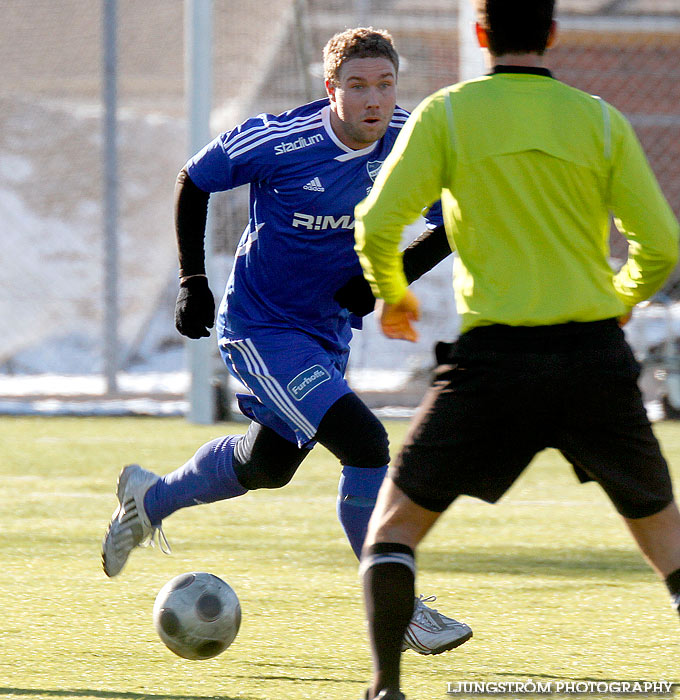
x: 207, y: 477
x: 357, y: 492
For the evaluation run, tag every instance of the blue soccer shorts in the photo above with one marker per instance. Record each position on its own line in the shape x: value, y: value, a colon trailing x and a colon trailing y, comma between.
x: 292, y: 378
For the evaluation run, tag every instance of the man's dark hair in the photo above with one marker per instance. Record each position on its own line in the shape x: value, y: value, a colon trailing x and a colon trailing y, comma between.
x: 516, y: 26
x: 362, y: 42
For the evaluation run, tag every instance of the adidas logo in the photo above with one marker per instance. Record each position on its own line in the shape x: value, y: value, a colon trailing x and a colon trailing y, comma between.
x: 314, y: 185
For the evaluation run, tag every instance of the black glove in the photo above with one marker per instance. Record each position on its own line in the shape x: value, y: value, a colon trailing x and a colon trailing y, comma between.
x: 356, y: 296
x: 195, y: 308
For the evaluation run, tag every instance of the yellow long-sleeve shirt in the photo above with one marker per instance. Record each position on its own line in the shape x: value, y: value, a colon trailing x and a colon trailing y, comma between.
x: 528, y: 170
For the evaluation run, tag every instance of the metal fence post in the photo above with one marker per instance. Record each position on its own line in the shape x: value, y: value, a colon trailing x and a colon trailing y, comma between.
x: 198, y: 75
x: 110, y: 207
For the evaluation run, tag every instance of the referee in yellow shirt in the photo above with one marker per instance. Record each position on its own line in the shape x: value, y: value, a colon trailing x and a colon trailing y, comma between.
x: 528, y: 170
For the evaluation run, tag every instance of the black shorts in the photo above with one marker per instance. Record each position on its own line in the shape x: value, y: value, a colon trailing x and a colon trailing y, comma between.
x: 507, y: 393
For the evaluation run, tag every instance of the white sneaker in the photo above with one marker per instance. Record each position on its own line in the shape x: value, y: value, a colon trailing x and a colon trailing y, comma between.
x: 130, y: 526
x: 430, y: 632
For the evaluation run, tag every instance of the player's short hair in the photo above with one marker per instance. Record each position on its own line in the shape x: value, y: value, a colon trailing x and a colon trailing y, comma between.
x: 361, y: 42
x: 520, y: 26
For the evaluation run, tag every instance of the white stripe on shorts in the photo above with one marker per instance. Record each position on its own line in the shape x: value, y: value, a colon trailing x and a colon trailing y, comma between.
x: 257, y: 367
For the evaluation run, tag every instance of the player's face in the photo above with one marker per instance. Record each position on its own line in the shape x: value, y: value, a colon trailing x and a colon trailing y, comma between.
x: 362, y: 100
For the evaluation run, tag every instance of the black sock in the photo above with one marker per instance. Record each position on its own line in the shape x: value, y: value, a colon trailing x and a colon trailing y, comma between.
x: 673, y: 584
x: 388, y: 571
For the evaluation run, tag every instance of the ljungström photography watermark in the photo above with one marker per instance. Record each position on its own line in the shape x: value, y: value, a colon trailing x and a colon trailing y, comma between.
x: 581, y: 687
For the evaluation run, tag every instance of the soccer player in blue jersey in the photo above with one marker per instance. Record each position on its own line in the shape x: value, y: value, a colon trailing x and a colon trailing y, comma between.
x: 284, y: 324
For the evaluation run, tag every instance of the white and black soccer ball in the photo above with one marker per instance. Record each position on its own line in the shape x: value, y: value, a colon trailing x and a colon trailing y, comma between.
x: 197, y: 615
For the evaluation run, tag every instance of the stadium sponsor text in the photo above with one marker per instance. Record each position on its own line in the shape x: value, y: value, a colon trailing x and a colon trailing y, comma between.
x: 302, y: 142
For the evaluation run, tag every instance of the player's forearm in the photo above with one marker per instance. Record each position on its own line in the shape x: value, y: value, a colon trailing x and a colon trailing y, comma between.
x: 424, y: 252
x: 191, y: 213
x: 430, y: 248
x: 380, y: 259
x: 378, y: 229
x: 643, y: 216
x: 388, y: 270
x: 644, y: 273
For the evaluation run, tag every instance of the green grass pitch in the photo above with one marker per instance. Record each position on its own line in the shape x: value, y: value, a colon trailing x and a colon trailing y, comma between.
x: 549, y: 579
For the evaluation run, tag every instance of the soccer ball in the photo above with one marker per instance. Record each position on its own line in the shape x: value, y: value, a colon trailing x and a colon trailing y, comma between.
x: 197, y: 615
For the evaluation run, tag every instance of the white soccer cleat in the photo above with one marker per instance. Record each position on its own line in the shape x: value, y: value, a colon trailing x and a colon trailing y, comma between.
x: 130, y: 526
x: 430, y: 632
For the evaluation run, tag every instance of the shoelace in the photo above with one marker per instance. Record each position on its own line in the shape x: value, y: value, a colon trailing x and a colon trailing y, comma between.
x: 423, y: 612
x: 158, y: 539
x: 422, y: 600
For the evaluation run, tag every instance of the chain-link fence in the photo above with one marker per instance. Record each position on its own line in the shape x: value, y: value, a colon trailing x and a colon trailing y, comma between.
x: 266, y: 58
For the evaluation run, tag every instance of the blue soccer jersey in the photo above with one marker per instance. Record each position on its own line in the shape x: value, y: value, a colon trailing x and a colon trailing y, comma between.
x: 298, y: 247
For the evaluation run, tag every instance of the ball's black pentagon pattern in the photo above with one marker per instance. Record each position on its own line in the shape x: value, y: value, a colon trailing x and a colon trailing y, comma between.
x: 208, y: 607
x: 210, y: 648
x: 183, y: 581
x: 169, y: 622
x: 197, y: 615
